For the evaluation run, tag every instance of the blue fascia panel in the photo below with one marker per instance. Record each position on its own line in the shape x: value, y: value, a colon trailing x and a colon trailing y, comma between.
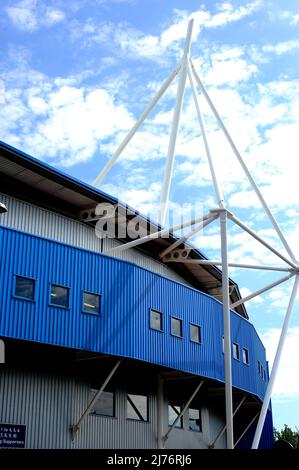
x: 127, y: 294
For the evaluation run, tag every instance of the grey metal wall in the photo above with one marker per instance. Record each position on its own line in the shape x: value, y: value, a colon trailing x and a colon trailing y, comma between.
x: 33, y: 219
x: 48, y: 404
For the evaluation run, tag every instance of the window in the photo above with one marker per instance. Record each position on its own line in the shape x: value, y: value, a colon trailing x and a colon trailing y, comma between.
x: 137, y: 407
x: 236, y: 353
x: 259, y: 366
x: 156, y: 320
x: 104, y: 404
x: 91, y: 303
x: 24, y: 288
x: 173, y: 412
x: 265, y: 375
x: 176, y: 327
x: 195, y: 333
x: 245, y: 355
x: 195, y: 420
x: 59, y: 296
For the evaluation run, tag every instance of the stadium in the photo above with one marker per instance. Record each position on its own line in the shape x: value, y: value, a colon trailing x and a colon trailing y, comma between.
x: 118, y: 349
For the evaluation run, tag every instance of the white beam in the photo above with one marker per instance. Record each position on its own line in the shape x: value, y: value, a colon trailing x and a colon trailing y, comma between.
x: 261, y: 291
x: 244, y: 167
x: 158, y: 234
x: 276, y: 362
x: 136, y: 126
x: 261, y: 240
x: 233, y: 265
x: 187, y: 236
x: 175, y: 126
x: 216, y: 184
x: 227, y: 333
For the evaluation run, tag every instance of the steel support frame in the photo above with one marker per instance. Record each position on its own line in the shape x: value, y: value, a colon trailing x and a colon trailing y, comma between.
x: 186, y: 68
x: 166, y: 436
x: 223, y: 429
x: 188, y: 235
x: 75, y: 428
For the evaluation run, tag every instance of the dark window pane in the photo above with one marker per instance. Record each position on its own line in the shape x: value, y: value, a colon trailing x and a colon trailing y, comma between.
x: 176, y: 327
x: 137, y: 407
x: 236, y: 351
x: 25, y: 287
x: 156, y: 320
x: 195, y: 333
x: 194, y: 420
x: 245, y: 356
x: 91, y: 303
x: 59, y: 295
x: 105, y: 403
x: 173, y: 411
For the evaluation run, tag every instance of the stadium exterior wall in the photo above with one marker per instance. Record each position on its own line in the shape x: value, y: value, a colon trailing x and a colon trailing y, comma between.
x: 128, y: 292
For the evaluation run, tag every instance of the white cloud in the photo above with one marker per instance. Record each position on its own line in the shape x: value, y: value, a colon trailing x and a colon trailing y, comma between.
x: 287, y: 381
x: 295, y: 20
x: 31, y: 15
x: 57, y: 121
x: 281, y: 47
x: 245, y: 291
x: 133, y: 42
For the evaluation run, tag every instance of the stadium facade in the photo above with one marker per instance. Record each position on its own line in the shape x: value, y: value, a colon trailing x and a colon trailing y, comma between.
x: 118, y: 351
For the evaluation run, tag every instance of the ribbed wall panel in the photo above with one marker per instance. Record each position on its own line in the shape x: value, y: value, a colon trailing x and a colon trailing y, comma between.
x: 142, y: 260
x: 127, y: 294
x: 33, y: 219
x: 49, y: 404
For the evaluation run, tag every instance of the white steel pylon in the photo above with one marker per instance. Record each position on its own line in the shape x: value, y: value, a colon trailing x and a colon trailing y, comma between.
x: 184, y: 69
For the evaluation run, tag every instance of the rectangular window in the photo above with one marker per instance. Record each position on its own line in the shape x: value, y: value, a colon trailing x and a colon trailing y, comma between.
x: 156, y: 320
x: 236, y: 353
x: 137, y: 407
x: 91, y: 303
x: 195, y: 333
x: 259, y: 366
x: 59, y: 296
x: 195, y: 420
x: 173, y: 412
x: 176, y: 327
x: 24, y: 288
x: 245, y: 355
x: 104, y: 404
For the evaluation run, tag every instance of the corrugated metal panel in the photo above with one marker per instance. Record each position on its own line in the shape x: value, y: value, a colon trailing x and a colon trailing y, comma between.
x: 122, y: 329
x: 33, y: 219
x: 143, y: 260
x: 48, y: 404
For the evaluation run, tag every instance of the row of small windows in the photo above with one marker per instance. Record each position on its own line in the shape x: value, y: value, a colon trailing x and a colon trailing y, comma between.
x: 137, y: 409
x: 176, y: 326
x: 236, y: 352
x: 25, y: 288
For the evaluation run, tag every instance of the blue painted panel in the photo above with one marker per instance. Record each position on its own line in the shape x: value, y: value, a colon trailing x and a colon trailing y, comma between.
x: 128, y: 292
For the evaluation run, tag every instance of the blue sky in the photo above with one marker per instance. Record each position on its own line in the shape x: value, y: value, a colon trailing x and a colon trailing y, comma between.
x: 76, y: 75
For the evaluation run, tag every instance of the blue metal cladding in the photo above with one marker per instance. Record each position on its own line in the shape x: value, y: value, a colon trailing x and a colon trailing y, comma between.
x: 122, y: 328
